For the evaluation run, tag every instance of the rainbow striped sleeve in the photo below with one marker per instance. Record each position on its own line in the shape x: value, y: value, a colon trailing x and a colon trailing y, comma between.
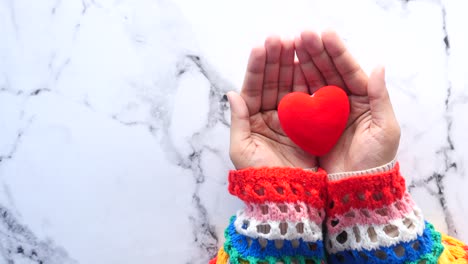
x: 282, y: 219
x: 371, y: 218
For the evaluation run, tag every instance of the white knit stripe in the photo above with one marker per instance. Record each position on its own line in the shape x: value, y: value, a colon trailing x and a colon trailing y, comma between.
x: 251, y: 227
x: 358, y: 237
x: 349, y: 174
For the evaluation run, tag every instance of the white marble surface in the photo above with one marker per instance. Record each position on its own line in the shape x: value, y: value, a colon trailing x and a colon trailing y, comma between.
x: 114, y: 131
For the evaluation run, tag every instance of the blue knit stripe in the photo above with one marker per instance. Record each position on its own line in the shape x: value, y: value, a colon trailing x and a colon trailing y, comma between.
x: 255, y: 250
x: 413, y: 251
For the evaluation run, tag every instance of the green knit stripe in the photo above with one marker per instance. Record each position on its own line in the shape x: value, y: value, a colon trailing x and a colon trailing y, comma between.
x: 437, y: 248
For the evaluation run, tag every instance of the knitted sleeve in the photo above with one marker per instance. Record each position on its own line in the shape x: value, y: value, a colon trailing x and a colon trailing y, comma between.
x: 371, y: 218
x: 282, y: 218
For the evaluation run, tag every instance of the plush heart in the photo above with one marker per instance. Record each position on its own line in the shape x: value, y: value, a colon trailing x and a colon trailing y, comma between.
x: 315, y: 122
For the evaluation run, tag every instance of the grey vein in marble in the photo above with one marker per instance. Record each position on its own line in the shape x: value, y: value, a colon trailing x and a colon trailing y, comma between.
x: 19, y: 245
x: 447, y: 150
x: 204, y: 235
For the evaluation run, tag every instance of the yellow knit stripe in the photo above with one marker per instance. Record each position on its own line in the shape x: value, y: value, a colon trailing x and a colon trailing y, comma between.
x: 223, y: 257
x: 455, y: 251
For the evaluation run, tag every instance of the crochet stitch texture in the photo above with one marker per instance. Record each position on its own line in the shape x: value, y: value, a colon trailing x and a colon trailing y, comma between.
x: 369, y: 218
x: 260, y: 185
x: 283, y: 216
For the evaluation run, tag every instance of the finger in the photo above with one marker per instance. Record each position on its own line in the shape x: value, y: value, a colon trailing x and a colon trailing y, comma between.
x: 311, y: 74
x: 314, y: 46
x: 286, y: 73
x: 253, y: 80
x: 351, y: 73
x: 299, y: 82
x: 379, y: 100
x: 272, y: 68
x: 240, y: 119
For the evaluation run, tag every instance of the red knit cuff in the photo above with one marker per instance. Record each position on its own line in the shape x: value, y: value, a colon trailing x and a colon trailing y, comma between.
x: 259, y: 185
x: 371, y: 191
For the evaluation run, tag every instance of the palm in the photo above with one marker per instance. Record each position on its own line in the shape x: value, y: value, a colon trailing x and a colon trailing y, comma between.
x: 372, y: 134
x: 256, y: 136
x: 371, y: 137
x: 272, y: 147
x: 356, y: 142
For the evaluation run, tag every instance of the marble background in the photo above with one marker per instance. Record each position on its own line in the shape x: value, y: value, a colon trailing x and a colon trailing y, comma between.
x: 114, y: 130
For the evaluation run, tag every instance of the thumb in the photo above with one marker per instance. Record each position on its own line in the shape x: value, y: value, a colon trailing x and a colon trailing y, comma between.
x: 240, y: 119
x: 379, y: 100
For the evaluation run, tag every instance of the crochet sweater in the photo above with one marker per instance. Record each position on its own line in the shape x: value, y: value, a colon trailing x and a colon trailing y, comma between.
x: 298, y: 216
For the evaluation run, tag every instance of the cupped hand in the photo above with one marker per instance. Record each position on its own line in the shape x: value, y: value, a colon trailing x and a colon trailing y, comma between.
x: 257, y: 139
x: 372, y: 135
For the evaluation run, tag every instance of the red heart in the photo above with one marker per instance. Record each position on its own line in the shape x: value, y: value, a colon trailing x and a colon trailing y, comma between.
x: 315, y: 122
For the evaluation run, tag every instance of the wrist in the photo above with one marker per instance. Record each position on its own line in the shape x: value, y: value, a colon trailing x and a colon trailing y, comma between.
x: 285, y: 210
x: 279, y: 184
x: 372, y: 190
x: 373, y: 211
x: 347, y: 174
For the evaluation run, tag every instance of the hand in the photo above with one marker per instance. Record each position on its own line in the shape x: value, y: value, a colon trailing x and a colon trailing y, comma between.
x: 372, y: 135
x: 257, y: 139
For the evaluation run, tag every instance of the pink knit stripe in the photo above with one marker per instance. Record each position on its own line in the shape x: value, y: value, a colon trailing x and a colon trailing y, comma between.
x: 294, y: 212
x: 397, y: 210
